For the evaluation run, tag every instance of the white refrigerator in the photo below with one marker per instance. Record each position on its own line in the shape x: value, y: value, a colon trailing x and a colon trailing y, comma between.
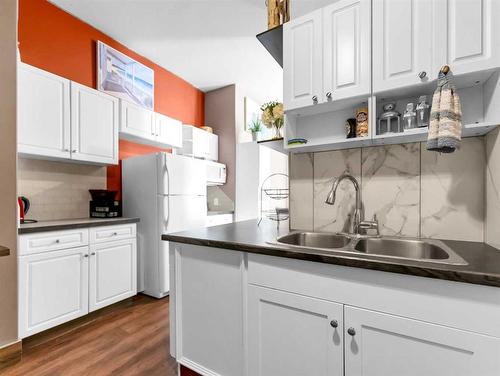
x: 168, y: 193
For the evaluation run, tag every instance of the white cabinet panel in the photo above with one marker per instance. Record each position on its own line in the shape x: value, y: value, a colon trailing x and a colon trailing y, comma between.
x: 347, y: 56
x: 53, y: 288
x: 112, y: 273
x: 302, y: 60
x: 168, y: 131
x: 213, y: 147
x: 209, y: 324
x: 403, y: 43
x: 136, y: 121
x: 471, y: 40
x: 384, y: 345
x: 112, y: 233
x: 94, y: 125
x: 200, y: 143
x: 293, y: 335
x: 43, y: 113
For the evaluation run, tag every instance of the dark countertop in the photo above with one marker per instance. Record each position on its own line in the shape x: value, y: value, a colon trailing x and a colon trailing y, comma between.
x: 483, y: 260
x: 4, y: 251
x: 68, y: 224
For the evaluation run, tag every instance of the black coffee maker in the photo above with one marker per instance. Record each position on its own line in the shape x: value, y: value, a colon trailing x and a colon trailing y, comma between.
x: 104, y: 205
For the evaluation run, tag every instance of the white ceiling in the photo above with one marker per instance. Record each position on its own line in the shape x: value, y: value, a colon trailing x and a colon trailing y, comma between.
x: 209, y: 43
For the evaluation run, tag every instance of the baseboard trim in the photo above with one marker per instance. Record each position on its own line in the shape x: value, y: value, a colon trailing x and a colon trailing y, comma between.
x: 10, y: 354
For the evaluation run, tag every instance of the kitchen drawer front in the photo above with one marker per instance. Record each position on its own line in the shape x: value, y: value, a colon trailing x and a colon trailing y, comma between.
x: 112, y: 233
x: 52, y: 241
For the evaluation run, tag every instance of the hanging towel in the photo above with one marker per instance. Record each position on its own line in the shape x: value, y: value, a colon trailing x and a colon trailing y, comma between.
x: 445, y: 128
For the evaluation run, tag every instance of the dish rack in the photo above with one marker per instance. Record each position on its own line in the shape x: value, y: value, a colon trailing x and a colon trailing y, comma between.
x: 274, y: 200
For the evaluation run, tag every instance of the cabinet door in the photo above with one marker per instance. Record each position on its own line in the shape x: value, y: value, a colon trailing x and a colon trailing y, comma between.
x: 302, y: 61
x: 470, y: 39
x: 43, y: 112
x: 94, y: 125
x: 403, y: 40
x: 213, y: 147
x: 168, y: 131
x: 290, y: 334
x: 347, y: 49
x: 200, y: 143
x: 53, y: 289
x: 113, y: 273
x: 136, y: 122
x: 384, y: 345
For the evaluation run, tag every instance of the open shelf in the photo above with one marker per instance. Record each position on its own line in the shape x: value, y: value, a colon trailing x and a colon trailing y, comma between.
x: 272, y: 40
x: 277, y: 144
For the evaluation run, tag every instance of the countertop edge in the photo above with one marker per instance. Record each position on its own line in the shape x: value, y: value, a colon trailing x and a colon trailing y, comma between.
x: 427, y: 271
x: 4, y: 251
x: 76, y: 225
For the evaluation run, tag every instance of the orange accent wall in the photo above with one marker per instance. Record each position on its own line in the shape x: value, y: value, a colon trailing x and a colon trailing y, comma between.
x: 56, y: 41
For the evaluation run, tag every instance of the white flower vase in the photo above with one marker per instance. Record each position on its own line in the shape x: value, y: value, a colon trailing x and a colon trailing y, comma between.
x: 277, y: 131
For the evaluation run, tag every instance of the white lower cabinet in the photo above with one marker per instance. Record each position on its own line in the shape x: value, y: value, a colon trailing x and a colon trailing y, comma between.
x: 378, y: 344
x: 112, y: 273
x: 275, y: 316
x: 53, y: 288
x: 293, y: 335
x: 64, y: 275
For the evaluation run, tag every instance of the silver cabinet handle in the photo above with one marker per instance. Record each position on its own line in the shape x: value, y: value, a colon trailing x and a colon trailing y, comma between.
x: 422, y: 75
x: 74, y: 151
x: 315, y: 99
x: 329, y: 95
x: 85, y: 255
x: 92, y: 254
x: 334, y: 323
x: 351, y: 331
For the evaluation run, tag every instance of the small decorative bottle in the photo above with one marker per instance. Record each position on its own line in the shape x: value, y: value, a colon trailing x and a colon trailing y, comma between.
x: 409, y: 117
x: 423, y: 112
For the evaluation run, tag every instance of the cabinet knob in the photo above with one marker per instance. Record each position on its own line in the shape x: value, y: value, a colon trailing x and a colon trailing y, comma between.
x: 65, y: 149
x: 115, y: 233
x: 315, y: 99
x: 74, y: 151
x: 85, y: 255
x: 58, y: 241
x: 334, y: 323
x: 422, y: 75
x: 329, y: 95
x: 92, y: 254
x: 351, y: 331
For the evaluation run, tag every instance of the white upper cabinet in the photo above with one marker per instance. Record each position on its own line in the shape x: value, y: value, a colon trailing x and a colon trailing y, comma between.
x: 403, y: 43
x: 199, y: 143
x: 94, y: 125
x: 136, y: 122
x: 291, y: 334
x: 378, y: 344
x: 43, y: 112
x: 302, y: 61
x: 346, y: 37
x: 168, y: 130
x: 469, y: 35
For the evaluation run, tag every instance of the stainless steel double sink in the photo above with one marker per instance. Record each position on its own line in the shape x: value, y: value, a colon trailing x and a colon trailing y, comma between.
x: 424, y: 250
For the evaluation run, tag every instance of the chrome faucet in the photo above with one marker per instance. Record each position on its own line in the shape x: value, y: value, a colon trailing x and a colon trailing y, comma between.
x: 357, y: 217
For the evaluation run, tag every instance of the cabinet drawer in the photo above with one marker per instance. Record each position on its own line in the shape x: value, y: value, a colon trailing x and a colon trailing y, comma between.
x: 111, y: 233
x: 52, y: 241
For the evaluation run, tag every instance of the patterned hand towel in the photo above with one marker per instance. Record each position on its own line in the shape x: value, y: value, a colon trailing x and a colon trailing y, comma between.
x: 445, y: 128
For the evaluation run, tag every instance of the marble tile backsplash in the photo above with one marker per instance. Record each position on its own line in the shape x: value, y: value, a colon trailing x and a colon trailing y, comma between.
x: 58, y: 190
x: 412, y: 192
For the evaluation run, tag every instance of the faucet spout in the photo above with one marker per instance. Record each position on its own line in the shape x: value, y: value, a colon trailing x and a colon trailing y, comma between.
x: 357, y: 217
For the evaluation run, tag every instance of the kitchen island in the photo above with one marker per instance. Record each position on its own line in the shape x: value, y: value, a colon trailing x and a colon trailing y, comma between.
x: 243, y: 305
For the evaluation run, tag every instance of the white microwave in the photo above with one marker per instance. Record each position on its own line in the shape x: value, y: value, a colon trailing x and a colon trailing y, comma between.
x: 216, y: 173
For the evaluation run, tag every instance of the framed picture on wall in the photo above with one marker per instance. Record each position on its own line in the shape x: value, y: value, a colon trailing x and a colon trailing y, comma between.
x: 123, y: 77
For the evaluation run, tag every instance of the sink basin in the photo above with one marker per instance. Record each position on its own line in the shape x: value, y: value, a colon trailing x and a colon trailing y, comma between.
x: 315, y: 240
x: 416, y: 249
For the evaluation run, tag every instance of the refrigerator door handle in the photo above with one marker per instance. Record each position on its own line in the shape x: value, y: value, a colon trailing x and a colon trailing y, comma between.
x: 168, y: 192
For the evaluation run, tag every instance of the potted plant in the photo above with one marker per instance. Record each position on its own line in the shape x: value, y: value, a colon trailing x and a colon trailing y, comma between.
x: 272, y: 117
x: 255, y: 128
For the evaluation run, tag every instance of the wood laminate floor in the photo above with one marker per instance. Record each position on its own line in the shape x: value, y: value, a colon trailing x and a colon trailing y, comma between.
x: 130, y: 338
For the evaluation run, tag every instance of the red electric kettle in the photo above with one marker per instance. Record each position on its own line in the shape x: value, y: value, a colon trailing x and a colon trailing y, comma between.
x: 24, y: 207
